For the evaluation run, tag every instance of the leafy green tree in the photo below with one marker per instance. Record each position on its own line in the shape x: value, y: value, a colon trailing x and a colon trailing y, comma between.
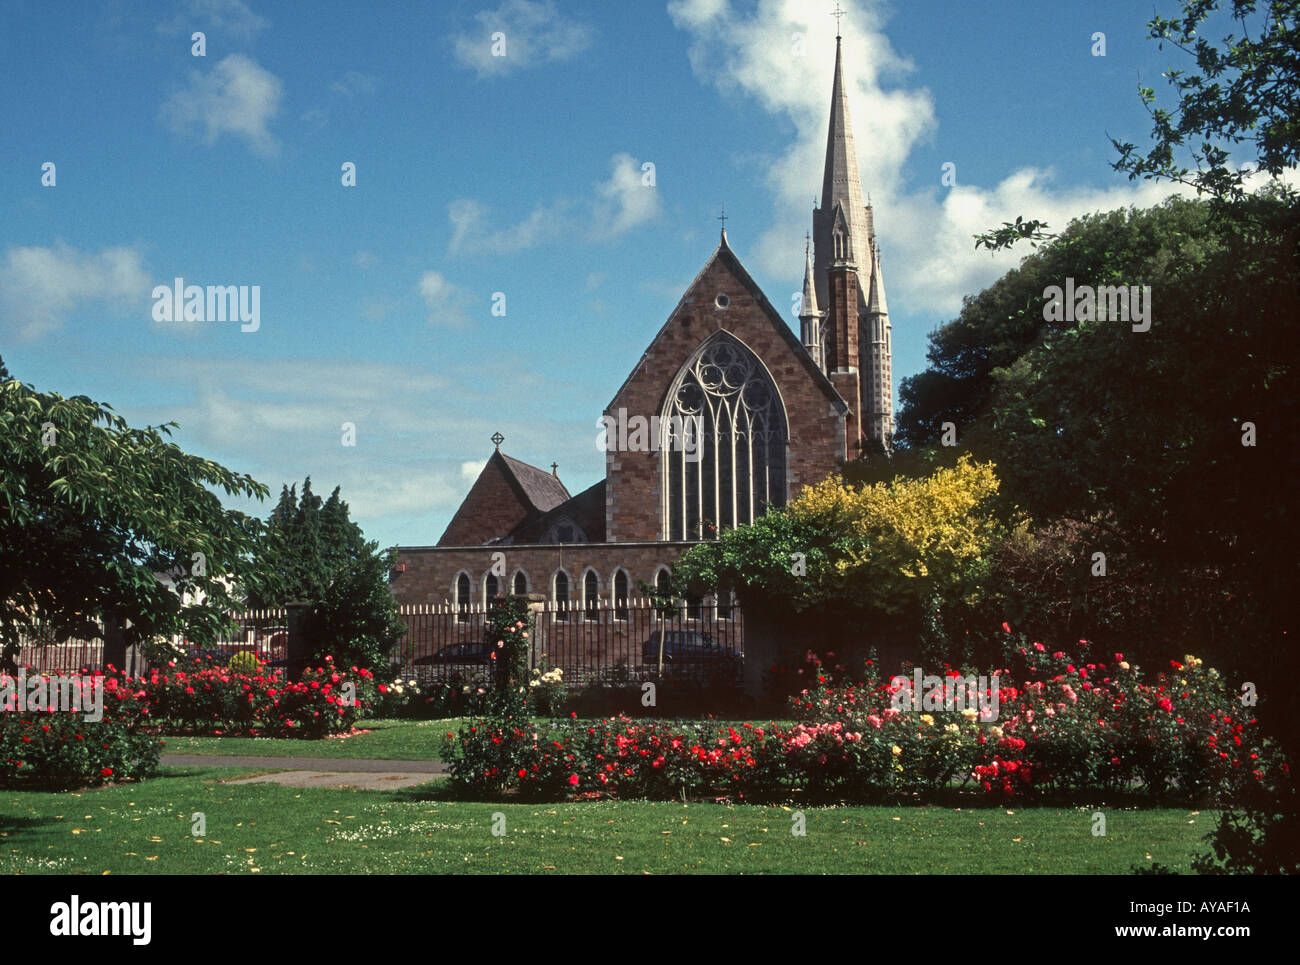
x: 314, y: 553
x: 91, y: 509
x: 1243, y: 91
x: 1161, y: 247
x: 1177, y: 475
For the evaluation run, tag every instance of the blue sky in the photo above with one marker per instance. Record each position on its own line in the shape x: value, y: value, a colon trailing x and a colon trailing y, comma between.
x: 520, y: 174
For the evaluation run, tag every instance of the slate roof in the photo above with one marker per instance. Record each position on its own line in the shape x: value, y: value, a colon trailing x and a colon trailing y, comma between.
x: 586, y: 510
x: 540, y: 488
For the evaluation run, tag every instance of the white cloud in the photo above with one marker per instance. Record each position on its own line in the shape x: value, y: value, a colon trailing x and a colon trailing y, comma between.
x: 354, y: 84
x: 535, y: 33
x: 618, y: 204
x: 930, y: 260
x: 365, y: 260
x: 41, y: 287
x: 449, y: 305
x: 230, y: 16
x: 471, y: 230
x: 279, y: 419
x: 624, y: 200
x: 236, y: 97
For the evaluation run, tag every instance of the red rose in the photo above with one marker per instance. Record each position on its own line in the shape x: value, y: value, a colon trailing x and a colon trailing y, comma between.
x: 573, y: 779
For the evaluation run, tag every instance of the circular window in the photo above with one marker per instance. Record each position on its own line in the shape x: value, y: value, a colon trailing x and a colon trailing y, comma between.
x: 722, y: 301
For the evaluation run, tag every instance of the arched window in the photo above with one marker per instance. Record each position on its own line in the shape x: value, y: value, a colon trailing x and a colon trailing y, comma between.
x: 562, y: 596
x: 723, y: 442
x: 591, y: 595
x: 662, y: 579
x: 694, y: 606
x: 620, y: 595
x: 491, y: 588
x: 521, y: 583
x: 462, y: 598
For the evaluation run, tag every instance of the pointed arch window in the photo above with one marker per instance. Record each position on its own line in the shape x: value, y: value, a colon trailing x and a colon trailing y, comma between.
x: 723, y: 448
x: 620, y: 596
x: 521, y: 583
x: 591, y: 595
x: 562, y: 596
x: 462, y: 598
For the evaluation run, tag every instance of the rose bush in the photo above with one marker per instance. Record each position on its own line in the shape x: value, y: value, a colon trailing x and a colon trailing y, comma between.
x: 1068, y: 727
x: 56, y: 749
x: 216, y: 700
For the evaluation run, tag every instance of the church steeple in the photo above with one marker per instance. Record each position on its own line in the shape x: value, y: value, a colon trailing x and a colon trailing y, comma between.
x: 841, y: 185
x: 810, y: 319
x: 855, y: 350
x: 878, y: 388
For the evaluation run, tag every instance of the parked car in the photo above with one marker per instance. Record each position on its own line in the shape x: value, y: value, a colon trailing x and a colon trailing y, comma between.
x: 683, y: 647
x: 458, y: 653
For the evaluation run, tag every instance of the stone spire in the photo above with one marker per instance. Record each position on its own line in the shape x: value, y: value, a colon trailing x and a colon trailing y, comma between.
x: 876, y: 300
x: 878, y: 388
x: 810, y: 318
x: 841, y: 185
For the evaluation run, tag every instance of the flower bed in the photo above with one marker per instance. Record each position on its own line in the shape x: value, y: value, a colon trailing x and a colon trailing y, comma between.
x: 51, y: 748
x: 216, y: 700
x: 1069, y: 727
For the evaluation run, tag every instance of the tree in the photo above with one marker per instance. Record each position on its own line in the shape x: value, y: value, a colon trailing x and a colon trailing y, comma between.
x: 1161, y: 247
x: 1248, y: 90
x: 314, y: 553
x: 91, y: 509
x: 1211, y: 495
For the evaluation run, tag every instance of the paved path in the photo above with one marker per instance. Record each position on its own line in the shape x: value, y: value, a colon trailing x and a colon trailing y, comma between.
x: 330, y: 764
x: 365, y: 774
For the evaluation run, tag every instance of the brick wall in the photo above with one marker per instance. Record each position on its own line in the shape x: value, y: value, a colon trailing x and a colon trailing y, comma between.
x: 431, y: 571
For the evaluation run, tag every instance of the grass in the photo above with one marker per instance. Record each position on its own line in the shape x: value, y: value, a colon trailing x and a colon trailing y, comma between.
x: 267, y: 829
x: 394, y: 740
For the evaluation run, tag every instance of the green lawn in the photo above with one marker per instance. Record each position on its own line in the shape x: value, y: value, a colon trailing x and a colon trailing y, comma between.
x: 395, y: 740
x: 145, y: 828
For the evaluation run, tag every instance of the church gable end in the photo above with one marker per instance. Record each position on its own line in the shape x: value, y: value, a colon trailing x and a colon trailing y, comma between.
x: 723, y: 297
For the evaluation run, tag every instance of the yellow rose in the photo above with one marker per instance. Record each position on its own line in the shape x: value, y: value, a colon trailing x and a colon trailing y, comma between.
x: 897, y: 750
x: 927, y: 719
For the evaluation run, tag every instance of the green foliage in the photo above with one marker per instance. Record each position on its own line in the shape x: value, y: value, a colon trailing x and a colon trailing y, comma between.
x: 91, y: 509
x: 244, y: 662
x: 887, y: 549
x: 509, y: 629
x: 1163, y: 247
x: 313, y: 552
x: 60, y: 749
x: 1244, y: 92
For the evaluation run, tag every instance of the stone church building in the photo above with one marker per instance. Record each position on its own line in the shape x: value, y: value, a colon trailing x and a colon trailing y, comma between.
x: 742, y: 414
